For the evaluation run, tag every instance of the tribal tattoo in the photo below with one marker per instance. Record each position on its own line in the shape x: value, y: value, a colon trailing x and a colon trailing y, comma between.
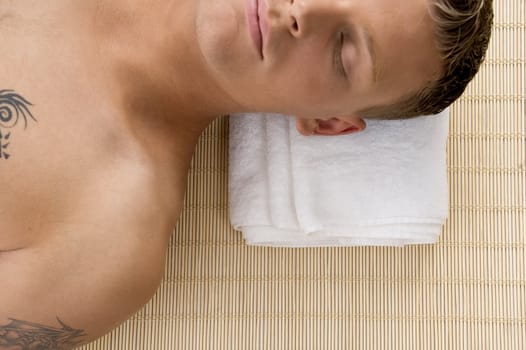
x: 23, y: 335
x: 13, y: 108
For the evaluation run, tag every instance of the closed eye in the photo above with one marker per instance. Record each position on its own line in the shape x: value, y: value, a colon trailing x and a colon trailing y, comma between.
x: 337, y: 56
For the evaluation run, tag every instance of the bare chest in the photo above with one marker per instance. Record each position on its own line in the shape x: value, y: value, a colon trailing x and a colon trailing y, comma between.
x: 69, y: 163
x: 78, y: 179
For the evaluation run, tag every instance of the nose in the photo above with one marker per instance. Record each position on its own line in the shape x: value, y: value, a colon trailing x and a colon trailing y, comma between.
x: 306, y: 16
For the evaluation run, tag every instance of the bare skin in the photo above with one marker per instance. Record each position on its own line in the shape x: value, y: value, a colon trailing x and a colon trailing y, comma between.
x: 91, y: 191
x: 93, y: 172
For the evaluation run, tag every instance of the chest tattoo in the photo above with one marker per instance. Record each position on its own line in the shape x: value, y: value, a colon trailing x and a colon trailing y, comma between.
x: 14, y: 111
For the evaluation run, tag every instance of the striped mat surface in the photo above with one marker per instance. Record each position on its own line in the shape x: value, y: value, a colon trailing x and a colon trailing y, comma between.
x: 468, y: 291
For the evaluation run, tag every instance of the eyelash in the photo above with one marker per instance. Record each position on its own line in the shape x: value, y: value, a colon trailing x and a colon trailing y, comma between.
x: 338, y: 61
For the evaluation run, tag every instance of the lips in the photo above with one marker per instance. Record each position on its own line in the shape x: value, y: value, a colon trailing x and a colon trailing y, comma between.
x: 252, y: 10
x: 263, y: 25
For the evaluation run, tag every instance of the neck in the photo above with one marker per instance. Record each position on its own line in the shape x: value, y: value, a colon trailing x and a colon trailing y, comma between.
x: 157, y: 69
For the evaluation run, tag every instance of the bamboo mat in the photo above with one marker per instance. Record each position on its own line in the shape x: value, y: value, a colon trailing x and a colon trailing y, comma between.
x: 468, y: 291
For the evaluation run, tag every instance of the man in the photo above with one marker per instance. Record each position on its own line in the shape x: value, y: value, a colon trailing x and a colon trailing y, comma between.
x: 102, y: 103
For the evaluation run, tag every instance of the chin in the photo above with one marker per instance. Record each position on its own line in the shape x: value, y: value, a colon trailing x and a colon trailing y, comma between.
x: 224, y: 41
x: 218, y: 33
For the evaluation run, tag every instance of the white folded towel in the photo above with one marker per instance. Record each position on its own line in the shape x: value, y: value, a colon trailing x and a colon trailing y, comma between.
x: 386, y: 185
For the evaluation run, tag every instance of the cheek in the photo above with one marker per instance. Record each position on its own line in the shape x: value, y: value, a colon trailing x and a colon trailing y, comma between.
x: 304, y: 81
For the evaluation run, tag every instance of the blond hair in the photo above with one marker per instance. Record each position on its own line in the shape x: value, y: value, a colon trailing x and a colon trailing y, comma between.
x: 462, y: 31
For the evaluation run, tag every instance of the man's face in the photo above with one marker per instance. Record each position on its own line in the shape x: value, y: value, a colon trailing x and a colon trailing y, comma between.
x: 387, y: 51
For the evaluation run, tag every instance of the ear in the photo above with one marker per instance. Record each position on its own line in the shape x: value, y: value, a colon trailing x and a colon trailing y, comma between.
x: 330, y: 126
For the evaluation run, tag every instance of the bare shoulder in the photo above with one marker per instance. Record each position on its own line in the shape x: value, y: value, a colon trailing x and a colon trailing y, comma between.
x: 92, y: 267
x: 86, y: 210
x: 73, y: 291
x: 83, y: 225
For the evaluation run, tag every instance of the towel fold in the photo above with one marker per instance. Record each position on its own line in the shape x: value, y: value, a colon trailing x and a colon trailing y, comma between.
x: 384, y: 186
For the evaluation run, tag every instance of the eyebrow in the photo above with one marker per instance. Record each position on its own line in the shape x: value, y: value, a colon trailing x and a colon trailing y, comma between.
x: 370, y: 44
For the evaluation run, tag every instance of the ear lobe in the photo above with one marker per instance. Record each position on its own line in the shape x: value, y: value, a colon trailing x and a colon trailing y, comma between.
x: 305, y: 126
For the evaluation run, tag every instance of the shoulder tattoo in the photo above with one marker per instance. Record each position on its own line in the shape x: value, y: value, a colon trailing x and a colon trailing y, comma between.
x: 23, y: 335
x: 14, y: 111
